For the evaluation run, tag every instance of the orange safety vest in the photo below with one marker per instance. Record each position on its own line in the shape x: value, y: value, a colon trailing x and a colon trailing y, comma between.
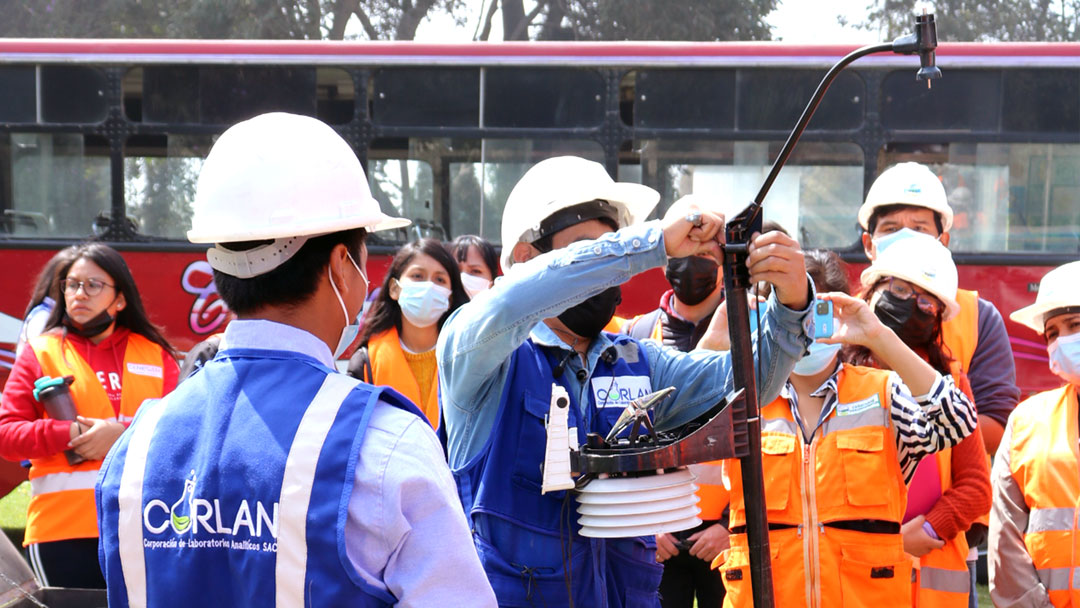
x: 389, y: 368
x: 850, y: 471
x: 961, y: 333
x: 1044, y: 460
x: 942, y: 577
x: 61, y: 495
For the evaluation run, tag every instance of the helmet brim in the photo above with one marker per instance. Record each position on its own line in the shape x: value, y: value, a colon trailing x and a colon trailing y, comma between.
x: 231, y: 234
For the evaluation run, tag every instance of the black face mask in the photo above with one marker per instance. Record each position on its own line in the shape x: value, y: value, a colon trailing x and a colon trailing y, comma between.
x: 92, y: 327
x: 693, y: 278
x: 588, y: 318
x: 906, y: 319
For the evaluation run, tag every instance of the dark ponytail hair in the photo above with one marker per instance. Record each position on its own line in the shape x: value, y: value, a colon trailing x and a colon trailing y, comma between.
x: 48, y: 281
x: 133, y: 316
x: 385, y: 312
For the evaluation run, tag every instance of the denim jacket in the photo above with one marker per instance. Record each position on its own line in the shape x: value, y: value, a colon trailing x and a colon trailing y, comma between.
x: 477, y: 340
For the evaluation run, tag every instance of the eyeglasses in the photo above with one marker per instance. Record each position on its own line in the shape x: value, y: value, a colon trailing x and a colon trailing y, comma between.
x: 926, y: 303
x: 91, y: 287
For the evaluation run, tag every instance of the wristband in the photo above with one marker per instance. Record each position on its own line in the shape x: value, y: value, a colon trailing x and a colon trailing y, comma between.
x: 930, y: 530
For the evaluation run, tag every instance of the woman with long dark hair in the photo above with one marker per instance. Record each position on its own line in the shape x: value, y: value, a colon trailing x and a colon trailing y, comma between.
x: 911, y: 287
x: 478, y: 262
x: 99, y: 336
x: 397, y: 344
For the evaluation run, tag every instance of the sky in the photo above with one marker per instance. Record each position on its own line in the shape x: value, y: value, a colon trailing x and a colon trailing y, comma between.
x: 796, y: 21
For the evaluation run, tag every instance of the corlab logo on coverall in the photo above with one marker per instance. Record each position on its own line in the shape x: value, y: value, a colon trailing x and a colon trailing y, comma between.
x: 194, y: 515
x: 619, y: 391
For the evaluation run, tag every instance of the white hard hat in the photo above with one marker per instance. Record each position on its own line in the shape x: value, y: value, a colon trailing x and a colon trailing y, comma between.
x: 562, y: 182
x: 1060, y: 288
x: 907, y: 184
x: 283, y: 177
x: 925, y: 263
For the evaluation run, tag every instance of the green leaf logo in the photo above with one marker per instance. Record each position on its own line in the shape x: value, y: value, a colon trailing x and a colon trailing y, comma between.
x: 180, y: 522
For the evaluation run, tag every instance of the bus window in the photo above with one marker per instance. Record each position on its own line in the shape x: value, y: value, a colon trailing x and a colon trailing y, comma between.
x: 19, y: 102
x: 480, y: 185
x: 450, y: 187
x: 816, y: 197
x: 160, y: 173
x: 404, y: 188
x: 73, y: 94
x: 221, y: 95
x: 430, y: 97
x: 1006, y: 197
x: 53, y: 184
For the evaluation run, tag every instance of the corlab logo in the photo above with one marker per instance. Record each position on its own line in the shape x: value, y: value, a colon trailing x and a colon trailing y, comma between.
x: 193, y: 515
x: 619, y: 391
x: 913, y: 188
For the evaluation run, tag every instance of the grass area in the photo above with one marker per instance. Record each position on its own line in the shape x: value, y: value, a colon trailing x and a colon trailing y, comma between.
x: 13, y: 513
x: 984, y: 597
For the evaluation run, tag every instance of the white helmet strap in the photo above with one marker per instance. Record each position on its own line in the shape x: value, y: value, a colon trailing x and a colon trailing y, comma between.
x: 254, y: 262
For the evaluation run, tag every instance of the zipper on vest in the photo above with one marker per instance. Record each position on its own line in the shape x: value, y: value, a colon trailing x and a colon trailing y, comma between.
x: 815, y: 539
x: 806, y: 492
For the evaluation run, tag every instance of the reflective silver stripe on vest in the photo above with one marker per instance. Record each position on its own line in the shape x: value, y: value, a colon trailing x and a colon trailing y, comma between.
x: 60, y: 482
x: 938, y: 579
x: 779, y: 425
x: 129, y: 527
x: 1050, y: 520
x: 290, y: 571
x: 1058, y: 579
x: 875, y: 416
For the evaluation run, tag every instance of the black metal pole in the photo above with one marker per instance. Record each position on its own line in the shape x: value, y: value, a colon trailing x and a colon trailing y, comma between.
x: 736, y: 282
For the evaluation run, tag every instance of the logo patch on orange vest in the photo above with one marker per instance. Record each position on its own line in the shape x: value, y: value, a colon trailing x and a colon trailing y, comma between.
x: 733, y: 575
x: 856, y: 407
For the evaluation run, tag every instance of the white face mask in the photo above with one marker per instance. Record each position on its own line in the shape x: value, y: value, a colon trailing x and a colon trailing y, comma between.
x: 885, y: 241
x: 348, y: 333
x: 1065, y: 358
x: 820, y: 357
x: 422, y: 302
x: 474, y: 284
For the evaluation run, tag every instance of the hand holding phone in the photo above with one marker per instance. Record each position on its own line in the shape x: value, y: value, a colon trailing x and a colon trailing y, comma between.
x: 823, y: 318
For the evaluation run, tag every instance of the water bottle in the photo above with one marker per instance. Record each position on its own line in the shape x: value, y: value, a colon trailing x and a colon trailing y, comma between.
x: 55, y: 396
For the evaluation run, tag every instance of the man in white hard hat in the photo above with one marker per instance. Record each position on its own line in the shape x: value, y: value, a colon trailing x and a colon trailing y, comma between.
x: 908, y: 200
x: 570, y: 237
x: 268, y: 478
x: 1033, y: 532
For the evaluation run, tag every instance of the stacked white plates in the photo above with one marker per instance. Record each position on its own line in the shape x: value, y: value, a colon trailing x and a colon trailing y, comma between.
x: 620, y: 507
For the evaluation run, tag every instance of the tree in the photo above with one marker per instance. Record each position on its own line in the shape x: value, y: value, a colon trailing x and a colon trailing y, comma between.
x: 633, y: 20
x: 221, y: 19
x: 981, y: 20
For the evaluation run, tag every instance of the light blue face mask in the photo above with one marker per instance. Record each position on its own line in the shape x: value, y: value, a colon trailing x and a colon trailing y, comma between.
x: 884, y: 242
x: 1065, y: 358
x: 820, y: 357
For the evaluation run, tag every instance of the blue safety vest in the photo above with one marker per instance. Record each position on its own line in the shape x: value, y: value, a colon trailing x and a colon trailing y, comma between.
x: 233, y: 490
x: 528, y: 542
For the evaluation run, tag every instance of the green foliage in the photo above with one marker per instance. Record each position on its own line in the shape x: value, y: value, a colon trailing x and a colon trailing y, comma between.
x: 981, y: 20
x: 216, y: 19
x: 705, y: 20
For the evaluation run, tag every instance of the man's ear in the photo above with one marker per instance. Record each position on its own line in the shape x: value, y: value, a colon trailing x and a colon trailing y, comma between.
x: 867, y: 245
x: 339, y: 259
x: 523, y: 252
x: 945, y: 239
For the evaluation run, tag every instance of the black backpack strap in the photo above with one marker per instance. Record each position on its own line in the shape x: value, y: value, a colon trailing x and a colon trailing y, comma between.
x: 360, y: 365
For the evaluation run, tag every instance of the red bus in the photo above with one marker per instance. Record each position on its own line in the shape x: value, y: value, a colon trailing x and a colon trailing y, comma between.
x: 104, y: 138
